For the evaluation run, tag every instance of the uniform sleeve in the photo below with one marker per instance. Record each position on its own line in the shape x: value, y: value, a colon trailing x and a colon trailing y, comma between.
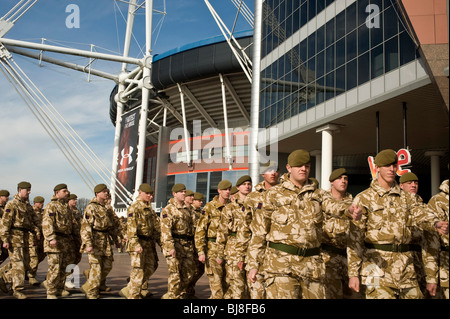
x: 222, y: 230
x: 133, y: 241
x: 166, y: 230
x: 243, y: 232
x: 431, y: 247
x: 157, y: 233
x: 48, y: 222
x: 86, y: 227
x: 5, y: 223
x: 355, y: 247
x: 201, y: 232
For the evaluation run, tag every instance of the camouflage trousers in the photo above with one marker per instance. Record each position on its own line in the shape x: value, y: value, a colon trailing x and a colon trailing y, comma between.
x: 19, y: 260
x: 384, y: 292
x: 100, y: 266
x: 289, y: 287
x: 143, y: 266
x: 257, y: 289
x: 236, y: 281
x: 181, y: 271
x: 199, y: 271
x: 37, y: 255
x: 56, y: 273
x: 216, y: 277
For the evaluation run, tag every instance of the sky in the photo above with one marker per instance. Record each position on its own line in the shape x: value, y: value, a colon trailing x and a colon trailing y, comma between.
x: 27, y: 152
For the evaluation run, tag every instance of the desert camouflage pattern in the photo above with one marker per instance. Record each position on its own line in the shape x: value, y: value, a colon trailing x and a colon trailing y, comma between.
x: 199, y: 267
x: 388, y: 218
x: 100, y: 229
x: 384, y: 292
x: 289, y: 215
x: 76, y: 237
x: 231, y: 220
x: 439, y: 205
x: 205, y: 243
x: 36, y: 245
x: 177, y: 232
x: 143, y: 231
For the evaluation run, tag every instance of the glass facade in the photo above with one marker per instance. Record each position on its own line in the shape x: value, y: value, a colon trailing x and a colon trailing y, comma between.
x: 361, y: 42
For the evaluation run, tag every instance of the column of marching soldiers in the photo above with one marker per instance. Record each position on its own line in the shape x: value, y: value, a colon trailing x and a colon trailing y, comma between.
x: 285, y: 239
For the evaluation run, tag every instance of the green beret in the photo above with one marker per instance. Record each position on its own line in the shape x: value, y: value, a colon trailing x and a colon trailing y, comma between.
x: 233, y: 190
x: 269, y: 166
x: 243, y: 179
x: 99, y: 188
x: 337, y: 173
x: 408, y: 177
x: 59, y: 187
x: 198, y: 196
x: 189, y: 193
x: 73, y: 196
x: 178, y: 188
x: 24, y: 185
x: 4, y: 192
x: 385, y: 158
x: 146, y: 188
x: 38, y: 199
x: 299, y: 158
x: 224, y: 184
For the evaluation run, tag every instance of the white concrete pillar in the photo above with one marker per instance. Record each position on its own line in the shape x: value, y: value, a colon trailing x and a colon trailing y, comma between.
x: 435, y: 170
x: 327, y: 153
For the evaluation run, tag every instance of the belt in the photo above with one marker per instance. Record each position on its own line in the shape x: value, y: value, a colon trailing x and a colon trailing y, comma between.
x: 146, y: 238
x: 100, y: 230
x: 212, y: 239
x: 445, y: 248
x: 62, y: 234
x: 20, y: 228
x: 305, y: 252
x: 232, y: 234
x: 185, y: 237
x: 334, y: 249
x: 396, y: 248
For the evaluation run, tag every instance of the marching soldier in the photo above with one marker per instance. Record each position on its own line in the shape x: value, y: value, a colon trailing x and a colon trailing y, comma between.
x: 143, y: 232
x: 380, y: 243
x: 439, y: 204
x: 99, y: 228
x: 16, y: 224
x: 76, y: 238
x: 338, y: 211
x: 286, y: 235
x: 177, y: 237
x: 205, y: 239
x: 36, y: 245
x: 231, y: 220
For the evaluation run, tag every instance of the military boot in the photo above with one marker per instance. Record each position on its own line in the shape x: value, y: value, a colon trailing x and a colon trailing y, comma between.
x: 19, y: 295
x: 124, y: 292
x: 33, y: 281
x: 52, y: 297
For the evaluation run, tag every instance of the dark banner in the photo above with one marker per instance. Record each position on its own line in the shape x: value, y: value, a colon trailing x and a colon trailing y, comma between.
x: 126, y: 162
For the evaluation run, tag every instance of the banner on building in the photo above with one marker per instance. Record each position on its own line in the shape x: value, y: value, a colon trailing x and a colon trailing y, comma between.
x: 126, y: 161
x: 403, y: 159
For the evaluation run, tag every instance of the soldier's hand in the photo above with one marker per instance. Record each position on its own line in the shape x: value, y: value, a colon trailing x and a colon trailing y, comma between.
x: 53, y: 243
x: 173, y: 253
x: 353, y: 284
x: 240, y: 265
x: 139, y: 250
x: 355, y: 211
x: 252, y: 275
x: 442, y: 227
x: 432, y: 288
x: 219, y: 260
x: 89, y: 250
x: 5, y: 245
x: 202, y: 258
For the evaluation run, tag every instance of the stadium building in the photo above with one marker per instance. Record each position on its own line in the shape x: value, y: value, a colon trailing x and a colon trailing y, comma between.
x: 342, y: 79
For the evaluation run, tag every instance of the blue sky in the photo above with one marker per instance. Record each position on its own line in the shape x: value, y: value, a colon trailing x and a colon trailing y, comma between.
x: 26, y: 150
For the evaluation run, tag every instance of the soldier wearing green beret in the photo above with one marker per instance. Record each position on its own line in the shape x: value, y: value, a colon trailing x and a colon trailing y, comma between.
x: 76, y: 238
x: 143, y: 233
x: 380, y: 246
x: 286, y: 235
x: 231, y: 220
x: 16, y: 224
x: 4, y: 197
x: 37, y: 254
x: 177, y: 237
x: 338, y: 212
x: 100, y: 227
x: 205, y: 239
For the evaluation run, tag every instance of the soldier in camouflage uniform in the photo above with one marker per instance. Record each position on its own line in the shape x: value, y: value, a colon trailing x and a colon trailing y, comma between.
x: 100, y: 228
x: 196, y: 209
x: 16, y: 224
x: 205, y: 240
x: 439, y: 204
x: 177, y: 237
x: 338, y: 211
x: 143, y: 232
x: 231, y: 220
x: 288, y: 233
x: 76, y: 239
x: 379, y: 245
x: 4, y: 197
x: 271, y: 175
x: 36, y: 245
x: 58, y: 226
x: 425, y: 244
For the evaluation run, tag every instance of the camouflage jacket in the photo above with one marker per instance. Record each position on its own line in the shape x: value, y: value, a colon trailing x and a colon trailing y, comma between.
x: 336, y: 223
x: 231, y: 220
x: 38, y: 215
x: 142, y: 224
x: 208, y: 224
x: 388, y: 218
x: 439, y: 204
x: 17, y: 221
x: 100, y: 229
x: 57, y: 222
x: 288, y: 215
x: 177, y: 228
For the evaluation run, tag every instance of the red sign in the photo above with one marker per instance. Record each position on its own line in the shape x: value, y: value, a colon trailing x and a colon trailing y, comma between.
x: 403, y: 158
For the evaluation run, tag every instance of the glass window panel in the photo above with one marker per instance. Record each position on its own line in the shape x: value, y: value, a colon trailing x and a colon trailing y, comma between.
x: 303, y: 15
x: 311, y: 69
x: 320, y: 64
x: 340, y: 80
x: 352, y: 74
x: 376, y: 62
x: 340, y: 25
x: 329, y: 32
x: 363, y: 39
x: 320, y: 5
x: 312, y: 45
x: 296, y: 20
x: 329, y: 59
x: 329, y: 83
x: 390, y: 23
x: 320, y: 87
x: 311, y: 95
x: 289, y: 26
x: 303, y: 50
x: 320, y: 43
x: 376, y: 34
x: 311, y: 9
x: 340, y: 52
x: 363, y: 68
x: 350, y: 13
x: 407, y: 49
x: 351, y: 45
x: 362, y: 14
x: 391, y: 54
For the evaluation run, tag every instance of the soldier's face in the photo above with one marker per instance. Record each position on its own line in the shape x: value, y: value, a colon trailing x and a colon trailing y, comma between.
x: 146, y: 197
x: 62, y: 193
x: 24, y: 193
x: 189, y: 199
x: 245, y: 188
x: 410, y: 186
x: 271, y: 177
x: 387, y: 173
x: 180, y: 196
x: 299, y: 174
x: 39, y: 205
x: 340, y: 183
x: 3, y: 200
x: 224, y: 193
x: 103, y: 195
x: 72, y: 202
x: 197, y: 203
